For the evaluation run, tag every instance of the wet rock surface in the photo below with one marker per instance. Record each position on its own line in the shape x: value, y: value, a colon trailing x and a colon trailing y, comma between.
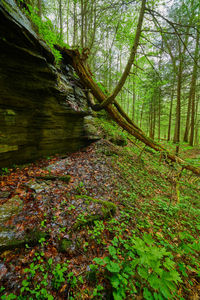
x: 42, y: 108
x: 12, y: 234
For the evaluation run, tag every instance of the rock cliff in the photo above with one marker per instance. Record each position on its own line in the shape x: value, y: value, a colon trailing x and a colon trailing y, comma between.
x: 42, y: 109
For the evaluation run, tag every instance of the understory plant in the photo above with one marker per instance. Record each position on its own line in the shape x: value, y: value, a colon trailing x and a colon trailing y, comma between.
x: 137, y: 264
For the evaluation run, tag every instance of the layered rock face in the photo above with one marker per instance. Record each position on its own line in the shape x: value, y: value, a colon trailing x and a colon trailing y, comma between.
x: 42, y: 109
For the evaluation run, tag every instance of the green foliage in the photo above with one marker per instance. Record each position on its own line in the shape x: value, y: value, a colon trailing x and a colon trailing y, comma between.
x: 153, y: 266
x: 113, y: 132
x: 34, y: 289
x: 96, y: 232
x: 47, y: 31
x: 101, y: 86
x: 4, y: 171
x: 58, y: 273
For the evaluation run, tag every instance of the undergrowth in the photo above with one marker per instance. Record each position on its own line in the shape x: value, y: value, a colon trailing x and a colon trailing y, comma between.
x: 148, y: 250
x: 155, y: 245
x: 46, y: 30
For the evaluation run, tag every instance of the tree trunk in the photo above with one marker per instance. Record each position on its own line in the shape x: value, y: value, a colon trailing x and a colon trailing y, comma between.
x: 74, y: 24
x: 141, y: 114
x: 178, y: 106
x: 159, y: 112
x: 196, y: 136
x: 67, y: 22
x: 110, y: 99
x: 170, y: 114
x: 187, y: 123
x: 134, y: 97
x: 82, y: 24
x: 193, y: 90
x: 60, y: 18
x: 39, y: 6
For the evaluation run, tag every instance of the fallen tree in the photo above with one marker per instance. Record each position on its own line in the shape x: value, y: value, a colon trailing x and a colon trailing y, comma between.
x: 74, y: 58
x: 78, y: 61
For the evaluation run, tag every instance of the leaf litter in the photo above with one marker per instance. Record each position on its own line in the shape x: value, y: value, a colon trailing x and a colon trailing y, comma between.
x: 62, y: 214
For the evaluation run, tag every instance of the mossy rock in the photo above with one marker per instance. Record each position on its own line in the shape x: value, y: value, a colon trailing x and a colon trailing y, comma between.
x: 10, y: 208
x: 119, y: 140
x: 65, y: 245
x: 9, y: 239
x: 95, y: 209
x: 64, y: 178
x: 110, y: 152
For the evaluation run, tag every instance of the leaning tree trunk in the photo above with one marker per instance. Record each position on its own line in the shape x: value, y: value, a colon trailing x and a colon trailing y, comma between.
x: 110, y: 99
x: 81, y: 68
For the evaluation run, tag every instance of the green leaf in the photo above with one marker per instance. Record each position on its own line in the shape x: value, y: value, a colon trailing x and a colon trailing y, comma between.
x: 157, y: 296
x: 154, y: 281
x: 183, y: 269
x: 173, y: 275
x: 112, y: 250
x: 114, y: 280
x: 148, y: 239
x: 147, y: 294
x: 113, y: 267
x: 119, y: 294
x: 143, y: 272
x: 115, y: 241
x: 25, y: 283
x: 99, y: 261
x: 168, y: 263
x: 165, y: 291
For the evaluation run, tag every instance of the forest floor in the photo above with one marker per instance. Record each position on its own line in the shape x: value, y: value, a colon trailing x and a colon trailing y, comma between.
x: 107, y: 222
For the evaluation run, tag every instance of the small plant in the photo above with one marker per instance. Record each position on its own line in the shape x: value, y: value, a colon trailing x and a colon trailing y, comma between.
x: 80, y: 189
x: 71, y: 207
x: 62, y: 229
x: 43, y: 223
x: 97, y: 231
x: 4, y: 171
x: 58, y: 273
x: 153, y: 266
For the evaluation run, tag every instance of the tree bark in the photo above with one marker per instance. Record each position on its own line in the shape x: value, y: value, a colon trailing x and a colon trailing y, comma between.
x: 39, y: 5
x: 60, y: 18
x: 178, y: 106
x: 133, y: 99
x: 193, y: 90
x: 74, y: 24
x: 170, y: 114
x: 159, y: 113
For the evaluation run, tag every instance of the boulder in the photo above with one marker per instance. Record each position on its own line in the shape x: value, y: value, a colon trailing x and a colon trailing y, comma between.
x: 10, y: 235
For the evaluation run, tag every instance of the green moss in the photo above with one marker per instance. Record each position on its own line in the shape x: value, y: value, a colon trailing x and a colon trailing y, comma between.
x: 119, y: 140
x: 107, y: 206
x: 65, y: 178
x: 7, y: 7
x: 107, y: 210
x: 65, y: 245
x: 9, y: 112
x: 32, y: 238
